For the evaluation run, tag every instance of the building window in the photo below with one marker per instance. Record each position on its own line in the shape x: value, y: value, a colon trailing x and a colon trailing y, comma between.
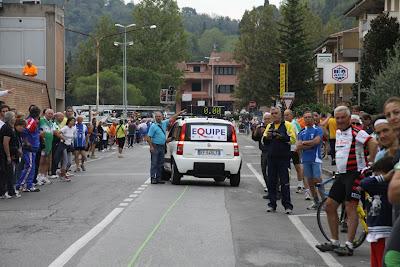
x: 196, y: 87
x: 196, y: 68
x: 225, y: 71
x: 225, y: 89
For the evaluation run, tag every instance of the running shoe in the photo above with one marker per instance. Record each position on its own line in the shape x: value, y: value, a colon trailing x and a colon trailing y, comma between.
x: 307, y: 195
x: 265, y: 190
x: 288, y: 211
x: 5, y: 196
x: 327, y: 247
x: 299, y: 189
x: 271, y: 209
x: 69, y: 174
x: 83, y: 167
x: 32, y: 189
x: 344, y: 251
x: 313, y: 206
x: 46, y: 180
x: 16, y: 195
x: 65, y: 179
x: 54, y: 176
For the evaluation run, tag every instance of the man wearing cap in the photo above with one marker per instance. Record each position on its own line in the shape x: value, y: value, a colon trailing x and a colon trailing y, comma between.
x: 30, y: 70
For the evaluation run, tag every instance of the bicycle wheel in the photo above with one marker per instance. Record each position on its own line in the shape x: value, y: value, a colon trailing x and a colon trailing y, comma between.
x: 323, y: 225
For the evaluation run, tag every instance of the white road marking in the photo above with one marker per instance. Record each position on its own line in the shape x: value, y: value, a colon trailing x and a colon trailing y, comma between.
x: 249, y: 146
x: 258, y: 176
x: 147, y: 181
x: 247, y: 175
x: 128, y: 199
x: 144, y: 185
x: 141, y: 188
x: 328, y: 258
x: 81, y: 242
x: 133, y: 195
x: 137, y: 192
x: 123, y: 204
x: 114, y: 174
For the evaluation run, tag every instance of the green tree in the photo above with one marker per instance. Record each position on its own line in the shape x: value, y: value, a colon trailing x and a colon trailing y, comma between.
x: 257, y: 49
x: 109, y: 54
x: 159, y: 50
x: 386, y: 83
x: 211, y: 38
x: 296, y: 51
x: 376, y: 51
x: 110, y: 90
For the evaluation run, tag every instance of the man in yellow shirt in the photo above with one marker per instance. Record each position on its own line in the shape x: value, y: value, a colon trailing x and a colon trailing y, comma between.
x: 330, y: 124
x: 30, y: 69
x: 278, y: 136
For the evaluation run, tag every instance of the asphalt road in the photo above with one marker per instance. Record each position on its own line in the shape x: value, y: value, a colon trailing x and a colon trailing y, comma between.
x: 110, y: 216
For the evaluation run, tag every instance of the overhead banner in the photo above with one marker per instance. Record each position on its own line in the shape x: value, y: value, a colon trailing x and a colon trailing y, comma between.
x: 282, y: 78
x: 340, y: 73
x: 208, y: 133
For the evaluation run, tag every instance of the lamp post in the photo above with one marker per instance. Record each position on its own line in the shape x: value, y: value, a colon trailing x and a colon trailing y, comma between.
x: 124, y: 82
x: 212, y: 78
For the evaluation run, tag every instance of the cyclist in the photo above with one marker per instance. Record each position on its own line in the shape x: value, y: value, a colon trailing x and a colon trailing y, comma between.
x: 352, y: 148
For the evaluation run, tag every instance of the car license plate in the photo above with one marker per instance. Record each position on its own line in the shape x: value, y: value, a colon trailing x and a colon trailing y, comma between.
x: 209, y: 152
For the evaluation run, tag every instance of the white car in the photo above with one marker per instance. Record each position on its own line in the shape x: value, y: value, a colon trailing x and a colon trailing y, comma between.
x: 203, y: 148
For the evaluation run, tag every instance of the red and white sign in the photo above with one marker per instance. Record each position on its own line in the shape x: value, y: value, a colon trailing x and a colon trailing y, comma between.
x: 208, y: 133
x: 288, y: 99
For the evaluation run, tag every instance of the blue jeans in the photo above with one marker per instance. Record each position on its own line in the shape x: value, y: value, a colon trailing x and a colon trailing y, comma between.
x: 157, y: 162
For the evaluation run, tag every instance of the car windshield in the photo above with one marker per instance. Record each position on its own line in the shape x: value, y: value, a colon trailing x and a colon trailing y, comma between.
x: 208, y: 132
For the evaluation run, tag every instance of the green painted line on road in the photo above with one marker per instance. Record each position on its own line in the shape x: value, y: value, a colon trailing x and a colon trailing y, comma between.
x: 151, y: 234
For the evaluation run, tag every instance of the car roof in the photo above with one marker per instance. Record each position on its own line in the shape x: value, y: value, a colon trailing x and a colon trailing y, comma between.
x: 203, y: 120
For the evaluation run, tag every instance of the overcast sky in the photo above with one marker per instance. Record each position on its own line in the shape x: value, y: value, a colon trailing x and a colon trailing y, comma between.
x: 230, y: 8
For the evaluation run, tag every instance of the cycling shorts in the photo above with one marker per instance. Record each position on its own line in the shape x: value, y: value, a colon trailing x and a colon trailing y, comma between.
x: 344, y: 187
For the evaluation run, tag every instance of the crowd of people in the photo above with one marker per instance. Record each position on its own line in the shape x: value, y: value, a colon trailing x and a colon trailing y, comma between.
x: 366, y: 154
x: 40, y: 146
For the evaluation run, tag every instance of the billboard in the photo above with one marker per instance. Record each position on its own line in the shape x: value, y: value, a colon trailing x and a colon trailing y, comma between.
x: 340, y: 73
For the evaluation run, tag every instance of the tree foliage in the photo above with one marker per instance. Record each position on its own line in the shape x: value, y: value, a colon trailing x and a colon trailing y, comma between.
x: 258, y: 50
x: 386, y: 83
x: 376, y: 51
x: 296, y: 51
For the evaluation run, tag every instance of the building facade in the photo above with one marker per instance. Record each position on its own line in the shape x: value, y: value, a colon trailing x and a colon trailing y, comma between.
x: 344, y: 47
x: 209, y: 83
x: 36, y: 32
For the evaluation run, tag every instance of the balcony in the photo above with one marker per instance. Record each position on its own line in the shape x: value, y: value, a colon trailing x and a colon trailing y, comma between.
x: 197, y: 76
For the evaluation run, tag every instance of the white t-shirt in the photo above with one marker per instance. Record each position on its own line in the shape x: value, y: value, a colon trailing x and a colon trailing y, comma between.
x: 344, y: 140
x: 68, y: 134
x: 104, y: 133
x: 1, y: 124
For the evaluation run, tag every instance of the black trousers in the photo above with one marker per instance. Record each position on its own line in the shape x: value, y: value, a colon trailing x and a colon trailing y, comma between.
x: 278, y: 172
x: 264, y: 167
x: 57, y: 156
x: 7, y: 179
x: 131, y: 139
x: 332, y: 143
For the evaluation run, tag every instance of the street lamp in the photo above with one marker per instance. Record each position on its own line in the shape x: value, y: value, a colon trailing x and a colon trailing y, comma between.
x: 212, y: 78
x: 125, y: 44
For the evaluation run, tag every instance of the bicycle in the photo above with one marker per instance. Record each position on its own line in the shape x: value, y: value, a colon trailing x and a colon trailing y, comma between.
x: 362, y: 229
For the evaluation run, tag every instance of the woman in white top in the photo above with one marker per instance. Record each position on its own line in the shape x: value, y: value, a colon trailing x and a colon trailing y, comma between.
x: 67, y: 141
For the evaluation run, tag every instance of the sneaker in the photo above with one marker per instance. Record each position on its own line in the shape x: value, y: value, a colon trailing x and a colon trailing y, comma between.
x: 326, y: 247
x: 39, y: 183
x: 271, y: 209
x: 288, y: 211
x: 5, y: 196
x: 83, y: 167
x: 69, y: 174
x: 25, y: 189
x: 265, y: 190
x: 307, y: 195
x: 54, y: 176
x: 313, y: 206
x: 33, y: 189
x: 65, y: 179
x: 46, y: 181
x: 344, y: 251
x: 17, y: 195
x: 77, y: 169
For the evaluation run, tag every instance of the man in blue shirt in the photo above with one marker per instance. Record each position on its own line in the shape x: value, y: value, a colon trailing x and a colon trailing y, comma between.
x: 80, y: 143
x: 310, y: 141
x: 156, y: 137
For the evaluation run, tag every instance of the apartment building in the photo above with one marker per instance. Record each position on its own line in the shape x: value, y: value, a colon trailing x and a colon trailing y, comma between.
x: 209, y: 82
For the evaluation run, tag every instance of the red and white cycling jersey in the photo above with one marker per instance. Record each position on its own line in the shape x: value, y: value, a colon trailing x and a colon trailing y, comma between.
x: 351, y: 152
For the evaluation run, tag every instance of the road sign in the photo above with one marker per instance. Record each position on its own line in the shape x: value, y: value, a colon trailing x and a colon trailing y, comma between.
x: 340, y: 73
x: 187, y: 97
x: 288, y: 98
x: 282, y: 78
x: 323, y: 59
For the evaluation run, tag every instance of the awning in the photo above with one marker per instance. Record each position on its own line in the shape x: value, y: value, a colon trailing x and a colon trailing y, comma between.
x: 329, y: 89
